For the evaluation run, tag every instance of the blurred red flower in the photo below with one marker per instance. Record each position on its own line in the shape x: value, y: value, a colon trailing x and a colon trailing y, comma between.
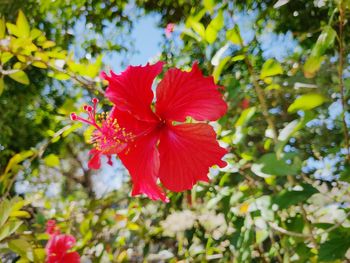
x: 58, y: 246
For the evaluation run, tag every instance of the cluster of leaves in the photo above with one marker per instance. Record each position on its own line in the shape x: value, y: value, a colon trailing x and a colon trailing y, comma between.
x: 270, y: 204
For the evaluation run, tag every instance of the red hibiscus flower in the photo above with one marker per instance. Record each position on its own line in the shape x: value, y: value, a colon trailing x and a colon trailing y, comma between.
x: 159, y: 144
x: 58, y: 246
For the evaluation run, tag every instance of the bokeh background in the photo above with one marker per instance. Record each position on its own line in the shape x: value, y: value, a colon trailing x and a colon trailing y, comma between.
x: 284, y: 69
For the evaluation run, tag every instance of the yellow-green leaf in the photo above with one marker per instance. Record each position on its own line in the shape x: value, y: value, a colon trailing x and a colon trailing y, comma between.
x: 52, y: 160
x: 20, y: 214
x: 211, y: 34
x: 324, y: 41
x: 307, y: 102
x: 16, y: 159
x: 245, y: 116
x: 13, y: 29
x: 22, y: 25
x: 198, y: 28
x: 312, y: 65
x: 39, y: 64
x: 48, y: 44
x: 5, y: 57
x: 270, y: 68
x: 234, y: 36
x: 59, y: 76
x: 35, y: 33
x: 218, y: 69
x: 209, y: 5
x: 2, y: 28
x: 20, y: 76
x: 2, y: 85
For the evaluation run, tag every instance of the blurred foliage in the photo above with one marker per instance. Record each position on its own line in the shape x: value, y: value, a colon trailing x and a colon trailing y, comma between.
x: 284, y: 196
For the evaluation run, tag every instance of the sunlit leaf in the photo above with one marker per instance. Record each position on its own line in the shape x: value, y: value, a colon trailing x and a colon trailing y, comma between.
x: 209, y: 5
x: 39, y: 64
x: 9, y: 228
x: 324, y: 41
x: 198, y: 28
x: 307, y: 102
x: 2, y: 28
x: 52, y: 160
x: 219, y: 68
x: 234, y: 36
x: 20, y: 76
x: 2, y: 85
x: 48, y: 44
x: 312, y: 65
x: 22, y: 25
x: 13, y: 29
x: 211, y: 34
x: 271, y: 68
x: 245, y: 116
x: 5, y: 57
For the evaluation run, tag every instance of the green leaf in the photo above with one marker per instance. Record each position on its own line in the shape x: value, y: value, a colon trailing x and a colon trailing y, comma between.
x: 238, y: 58
x: 218, y: 69
x: 269, y: 164
x: 218, y: 22
x: 59, y: 75
x: 2, y: 85
x: 20, y: 76
x: 234, y: 36
x: 39, y: 254
x: 13, y: 29
x: 16, y: 159
x: 35, y: 33
x: 271, y: 68
x: 6, y: 56
x: 324, y: 41
x: 246, y: 115
x: 298, y: 194
x: 336, y: 247
x: 312, y: 65
x: 2, y: 28
x: 9, y: 228
x: 307, y: 102
x: 48, y: 44
x: 22, y: 25
x: 22, y: 248
x: 5, y: 210
x: 52, y: 160
x: 198, y: 28
x: 209, y: 5
x: 211, y: 34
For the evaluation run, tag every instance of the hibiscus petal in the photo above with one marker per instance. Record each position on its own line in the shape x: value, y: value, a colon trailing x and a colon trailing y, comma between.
x: 132, y: 89
x: 95, y: 161
x: 186, y: 153
x: 181, y: 94
x: 142, y: 161
x: 71, y: 257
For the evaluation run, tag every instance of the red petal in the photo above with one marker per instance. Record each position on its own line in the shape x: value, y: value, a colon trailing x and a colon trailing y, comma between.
x: 181, y: 94
x: 71, y: 257
x: 130, y: 123
x: 132, y: 90
x: 95, y: 161
x: 186, y: 153
x: 142, y: 161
